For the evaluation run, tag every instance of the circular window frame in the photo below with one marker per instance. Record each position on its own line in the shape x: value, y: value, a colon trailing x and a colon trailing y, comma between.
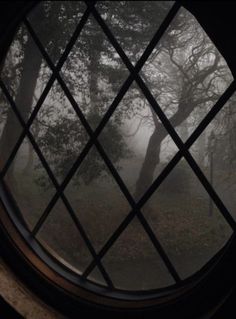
x: 60, y: 288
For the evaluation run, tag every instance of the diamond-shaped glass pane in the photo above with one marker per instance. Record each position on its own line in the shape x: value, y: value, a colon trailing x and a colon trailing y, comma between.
x: 71, y: 251
x: 29, y: 183
x: 25, y: 81
x: 59, y: 132
x: 215, y: 153
x: 96, y: 277
x: 134, y: 23
x: 54, y: 23
x: 97, y: 199
x: 133, y: 262
x: 94, y: 72
x: 186, y: 73
x: 179, y: 214
x: 136, y: 142
x: 10, y: 130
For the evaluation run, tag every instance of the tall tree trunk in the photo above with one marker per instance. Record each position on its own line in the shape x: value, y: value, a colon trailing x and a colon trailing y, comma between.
x: 152, y: 157
x: 24, y: 98
x: 151, y: 160
x: 30, y: 70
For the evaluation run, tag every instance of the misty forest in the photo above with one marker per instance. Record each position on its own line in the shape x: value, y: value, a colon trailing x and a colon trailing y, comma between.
x: 185, y: 73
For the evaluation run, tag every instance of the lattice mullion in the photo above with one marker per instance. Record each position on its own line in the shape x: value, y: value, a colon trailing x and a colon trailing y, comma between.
x: 139, y: 214
x: 95, y: 134
x: 194, y: 136
x: 166, y: 171
x: 166, y: 123
x: 83, y: 120
x: 124, y: 189
x: 27, y: 127
x: 152, y: 44
x: 46, y: 91
x: 28, y: 133
x: 106, y: 159
x: 104, y: 120
x: 56, y: 185
x: 114, y: 173
x: 187, y: 155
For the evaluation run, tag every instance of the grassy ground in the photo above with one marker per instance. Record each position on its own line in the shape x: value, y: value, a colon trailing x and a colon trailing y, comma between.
x: 178, y: 214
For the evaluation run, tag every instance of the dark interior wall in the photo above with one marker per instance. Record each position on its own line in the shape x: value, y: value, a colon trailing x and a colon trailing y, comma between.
x: 217, y: 18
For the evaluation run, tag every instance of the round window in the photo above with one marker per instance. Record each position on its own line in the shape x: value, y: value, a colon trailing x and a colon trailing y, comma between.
x: 117, y: 145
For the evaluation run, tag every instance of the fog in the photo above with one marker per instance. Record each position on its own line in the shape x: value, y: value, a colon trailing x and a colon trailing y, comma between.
x: 186, y: 75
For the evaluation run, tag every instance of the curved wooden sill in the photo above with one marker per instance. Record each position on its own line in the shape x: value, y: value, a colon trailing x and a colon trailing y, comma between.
x: 21, y: 299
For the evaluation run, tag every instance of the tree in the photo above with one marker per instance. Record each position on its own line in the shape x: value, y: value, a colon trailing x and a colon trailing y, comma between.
x: 94, y: 73
x: 87, y: 64
x: 195, y: 75
x: 22, y: 78
x: 185, y: 73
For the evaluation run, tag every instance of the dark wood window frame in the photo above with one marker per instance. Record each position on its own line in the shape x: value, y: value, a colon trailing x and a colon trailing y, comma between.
x: 62, y: 289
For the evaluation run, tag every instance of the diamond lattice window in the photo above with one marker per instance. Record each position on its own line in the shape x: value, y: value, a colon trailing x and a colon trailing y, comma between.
x: 117, y: 141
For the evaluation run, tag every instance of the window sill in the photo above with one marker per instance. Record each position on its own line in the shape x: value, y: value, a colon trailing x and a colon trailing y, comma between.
x: 21, y: 299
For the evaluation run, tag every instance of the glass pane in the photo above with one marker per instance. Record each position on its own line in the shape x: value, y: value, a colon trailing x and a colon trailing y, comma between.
x: 88, y: 193
x: 179, y: 214
x: 97, y: 277
x: 186, y: 73
x: 134, y: 23
x: 133, y: 262
x: 59, y: 132
x: 94, y: 72
x: 72, y: 250
x: 215, y: 153
x: 136, y: 142
x: 29, y: 184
